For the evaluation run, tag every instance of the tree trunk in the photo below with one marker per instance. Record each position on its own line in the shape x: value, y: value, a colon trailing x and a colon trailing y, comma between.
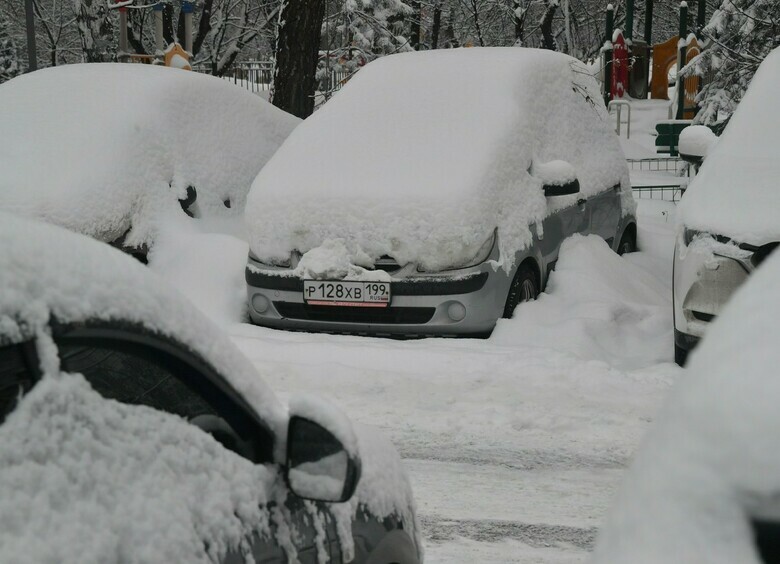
x: 548, y: 38
x: 436, y: 27
x: 168, y: 24
x: 204, y: 26
x: 414, y: 25
x: 519, y: 20
x: 297, y: 51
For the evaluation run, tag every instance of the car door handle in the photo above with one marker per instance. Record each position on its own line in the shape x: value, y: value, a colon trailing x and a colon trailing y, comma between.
x: 582, y: 202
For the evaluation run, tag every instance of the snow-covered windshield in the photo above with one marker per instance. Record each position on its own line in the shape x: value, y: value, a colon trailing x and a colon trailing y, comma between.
x: 422, y: 155
x: 737, y: 191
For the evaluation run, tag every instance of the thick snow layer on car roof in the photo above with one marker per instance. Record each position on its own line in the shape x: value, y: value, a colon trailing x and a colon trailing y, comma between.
x: 736, y: 191
x: 86, y: 479
x: 97, y: 148
x: 422, y: 155
x: 45, y: 270
x: 712, y: 461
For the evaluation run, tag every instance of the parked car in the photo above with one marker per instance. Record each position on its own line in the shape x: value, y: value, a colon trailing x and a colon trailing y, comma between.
x: 704, y: 484
x: 132, y: 430
x: 115, y: 151
x: 430, y: 196
x: 729, y: 220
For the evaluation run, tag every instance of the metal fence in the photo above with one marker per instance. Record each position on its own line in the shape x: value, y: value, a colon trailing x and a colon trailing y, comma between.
x: 666, y: 187
x: 659, y: 164
x: 257, y: 76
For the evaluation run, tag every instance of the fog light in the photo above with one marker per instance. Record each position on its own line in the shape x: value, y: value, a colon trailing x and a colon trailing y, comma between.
x: 260, y: 303
x: 456, y: 311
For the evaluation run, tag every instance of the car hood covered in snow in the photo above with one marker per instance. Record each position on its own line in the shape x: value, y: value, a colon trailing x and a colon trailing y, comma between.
x: 712, y: 461
x: 737, y: 190
x: 422, y: 155
x: 98, y: 148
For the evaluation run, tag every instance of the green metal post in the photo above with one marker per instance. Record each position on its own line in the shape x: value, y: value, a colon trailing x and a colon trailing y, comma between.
x: 628, y: 33
x: 649, y: 22
x: 608, y: 54
x: 701, y: 18
x: 681, y: 56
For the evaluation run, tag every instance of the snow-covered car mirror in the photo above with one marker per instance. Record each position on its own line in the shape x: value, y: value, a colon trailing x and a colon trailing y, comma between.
x: 558, y: 178
x: 695, y: 142
x: 322, y: 460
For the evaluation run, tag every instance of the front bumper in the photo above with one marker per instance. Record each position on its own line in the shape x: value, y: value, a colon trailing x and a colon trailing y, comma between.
x: 421, y: 304
x: 703, y: 282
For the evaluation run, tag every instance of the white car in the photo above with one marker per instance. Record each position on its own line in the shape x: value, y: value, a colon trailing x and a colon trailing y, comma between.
x: 730, y: 214
x: 116, y: 151
x: 705, y: 484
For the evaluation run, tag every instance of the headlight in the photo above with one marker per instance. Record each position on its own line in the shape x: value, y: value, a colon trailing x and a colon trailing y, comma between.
x: 690, y: 234
x: 272, y: 263
x: 482, y: 255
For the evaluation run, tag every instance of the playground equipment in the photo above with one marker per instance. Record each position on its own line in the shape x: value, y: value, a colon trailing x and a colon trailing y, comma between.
x: 170, y: 55
x: 627, y: 67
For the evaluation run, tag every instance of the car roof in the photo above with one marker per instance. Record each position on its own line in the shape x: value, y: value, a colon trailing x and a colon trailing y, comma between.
x: 47, y: 272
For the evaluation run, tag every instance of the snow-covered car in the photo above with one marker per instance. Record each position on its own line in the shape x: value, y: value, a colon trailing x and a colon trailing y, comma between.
x: 132, y: 430
x: 114, y: 151
x: 431, y: 195
x: 705, y: 484
x: 730, y: 215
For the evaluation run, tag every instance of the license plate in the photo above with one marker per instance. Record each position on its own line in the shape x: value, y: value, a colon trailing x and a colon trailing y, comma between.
x: 346, y: 294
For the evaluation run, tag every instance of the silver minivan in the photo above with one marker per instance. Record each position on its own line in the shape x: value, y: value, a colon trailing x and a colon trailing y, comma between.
x: 551, y: 167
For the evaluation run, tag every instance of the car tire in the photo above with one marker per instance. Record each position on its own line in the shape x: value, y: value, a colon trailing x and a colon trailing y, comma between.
x: 524, y: 288
x: 680, y: 355
x: 627, y: 243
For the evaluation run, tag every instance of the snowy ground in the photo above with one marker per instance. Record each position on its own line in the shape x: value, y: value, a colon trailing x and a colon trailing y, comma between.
x: 515, y: 444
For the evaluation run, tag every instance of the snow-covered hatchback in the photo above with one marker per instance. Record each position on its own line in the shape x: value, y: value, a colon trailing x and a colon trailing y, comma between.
x: 432, y: 194
x: 132, y: 430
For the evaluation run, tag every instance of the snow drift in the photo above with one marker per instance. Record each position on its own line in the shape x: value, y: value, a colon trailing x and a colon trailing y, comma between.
x: 98, y: 148
x: 422, y: 155
x: 736, y: 191
x: 712, y: 461
x: 597, y: 306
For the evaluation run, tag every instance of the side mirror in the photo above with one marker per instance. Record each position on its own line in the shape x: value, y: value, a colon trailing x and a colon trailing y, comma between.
x: 695, y: 142
x: 322, y: 462
x: 558, y: 178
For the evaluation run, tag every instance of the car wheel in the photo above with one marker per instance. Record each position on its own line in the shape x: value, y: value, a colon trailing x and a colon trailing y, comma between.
x: 524, y: 288
x: 680, y: 355
x: 627, y: 243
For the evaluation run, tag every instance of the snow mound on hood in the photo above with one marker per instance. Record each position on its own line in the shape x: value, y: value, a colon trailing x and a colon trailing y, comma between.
x: 422, y: 155
x: 712, y: 460
x: 90, y: 480
x: 597, y: 306
x: 736, y: 191
x: 98, y: 148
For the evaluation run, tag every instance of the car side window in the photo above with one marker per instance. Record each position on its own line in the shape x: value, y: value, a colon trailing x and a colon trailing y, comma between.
x: 141, y: 374
x: 16, y: 378
x: 130, y: 377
